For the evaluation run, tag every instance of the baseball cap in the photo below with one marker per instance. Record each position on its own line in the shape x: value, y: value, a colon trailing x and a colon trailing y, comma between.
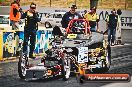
x: 113, y: 10
x: 33, y: 5
x: 119, y: 12
x: 73, y: 6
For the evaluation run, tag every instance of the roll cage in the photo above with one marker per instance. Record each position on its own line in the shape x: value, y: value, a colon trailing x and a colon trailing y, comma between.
x: 77, y: 26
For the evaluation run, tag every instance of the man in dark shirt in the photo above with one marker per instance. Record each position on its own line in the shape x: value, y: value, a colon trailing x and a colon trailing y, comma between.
x: 68, y: 16
x: 30, y: 28
x: 112, y: 24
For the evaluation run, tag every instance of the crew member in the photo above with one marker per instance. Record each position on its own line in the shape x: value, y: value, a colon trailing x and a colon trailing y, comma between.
x: 15, y: 14
x: 30, y: 29
x: 112, y: 21
x: 68, y: 16
x: 85, y: 12
x: 93, y: 19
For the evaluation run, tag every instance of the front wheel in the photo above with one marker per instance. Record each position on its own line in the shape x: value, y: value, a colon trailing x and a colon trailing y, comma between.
x: 66, y: 69
x: 22, y: 63
x: 107, y: 62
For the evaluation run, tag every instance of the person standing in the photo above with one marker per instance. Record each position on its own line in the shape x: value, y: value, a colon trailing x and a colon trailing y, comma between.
x: 68, y: 16
x: 15, y: 14
x: 85, y: 12
x: 30, y: 28
x: 118, y: 29
x: 93, y: 19
x: 112, y: 21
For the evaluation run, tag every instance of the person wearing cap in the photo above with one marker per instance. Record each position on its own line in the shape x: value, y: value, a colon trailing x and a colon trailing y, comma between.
x: 31, y: 18
x: 68, y: 16
x: 112, y: 21
x: 15, y: 14
x: 93, y: 19
x: 85, y: 12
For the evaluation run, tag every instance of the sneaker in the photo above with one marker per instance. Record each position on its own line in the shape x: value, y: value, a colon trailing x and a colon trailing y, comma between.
x: 31, y: 56
x: 112, y: 44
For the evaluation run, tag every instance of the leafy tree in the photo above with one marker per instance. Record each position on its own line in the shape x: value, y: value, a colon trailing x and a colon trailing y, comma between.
x: 2, y: 1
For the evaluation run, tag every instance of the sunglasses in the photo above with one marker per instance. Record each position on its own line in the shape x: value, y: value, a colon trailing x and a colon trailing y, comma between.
x: 73, y: 9
x: 92, y: 9
x: 33, y: 7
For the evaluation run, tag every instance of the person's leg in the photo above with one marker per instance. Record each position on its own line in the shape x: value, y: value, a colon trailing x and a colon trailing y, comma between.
x: 113, y: 35
x: 93, y: 29
x: 32, y: 43
x: 13, y: 25
x: 26, y: 39
x: 11, y: 22
x: 109, y: 35
x: 16, y: 26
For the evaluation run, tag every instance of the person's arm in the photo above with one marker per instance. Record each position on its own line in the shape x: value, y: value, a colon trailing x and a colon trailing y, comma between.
x: 97, y: 26
x: 23, y: 15
x: 97, y: 23
x: 107, y: 21
x: 80, y: 17
x: 36, y: 16
x: 85, y: 16
x: 63, y: 21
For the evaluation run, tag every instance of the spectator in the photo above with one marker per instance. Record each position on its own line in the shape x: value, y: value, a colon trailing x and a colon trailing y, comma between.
x: 15, y: 14
x: 30, y: 29
x: 68, y: 16
x: 112, y: 25
x: 93, y: 19
x: 85, y: 11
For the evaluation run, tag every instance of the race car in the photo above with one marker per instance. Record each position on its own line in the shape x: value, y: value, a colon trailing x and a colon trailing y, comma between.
x: 77, y: 50
x: 54, y: 63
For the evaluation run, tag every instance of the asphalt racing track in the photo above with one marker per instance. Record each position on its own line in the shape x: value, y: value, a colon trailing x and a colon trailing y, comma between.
x: 121, y: 63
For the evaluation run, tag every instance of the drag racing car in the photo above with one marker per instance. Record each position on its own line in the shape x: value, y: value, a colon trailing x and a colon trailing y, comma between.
x: 90, y: 49
x: 77, y: 50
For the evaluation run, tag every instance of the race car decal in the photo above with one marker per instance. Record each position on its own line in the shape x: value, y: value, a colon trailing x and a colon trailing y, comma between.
x: 71, y: 36
x: 83, y: 54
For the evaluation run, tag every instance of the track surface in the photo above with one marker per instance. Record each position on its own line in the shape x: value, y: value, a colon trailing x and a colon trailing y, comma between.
x: 121, y: 63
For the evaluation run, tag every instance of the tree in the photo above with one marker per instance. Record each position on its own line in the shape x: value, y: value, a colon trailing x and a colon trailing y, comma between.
x: 93, y: 3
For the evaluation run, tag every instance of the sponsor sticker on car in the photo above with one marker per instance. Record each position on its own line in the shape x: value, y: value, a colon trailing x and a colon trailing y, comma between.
x: 72, y: 36
x: 93, y: 66
x: 82, y: 56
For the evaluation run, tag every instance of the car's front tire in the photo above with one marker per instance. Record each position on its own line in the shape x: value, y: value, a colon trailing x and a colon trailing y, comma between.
x: 107, y: 62
x: 66, y: 69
